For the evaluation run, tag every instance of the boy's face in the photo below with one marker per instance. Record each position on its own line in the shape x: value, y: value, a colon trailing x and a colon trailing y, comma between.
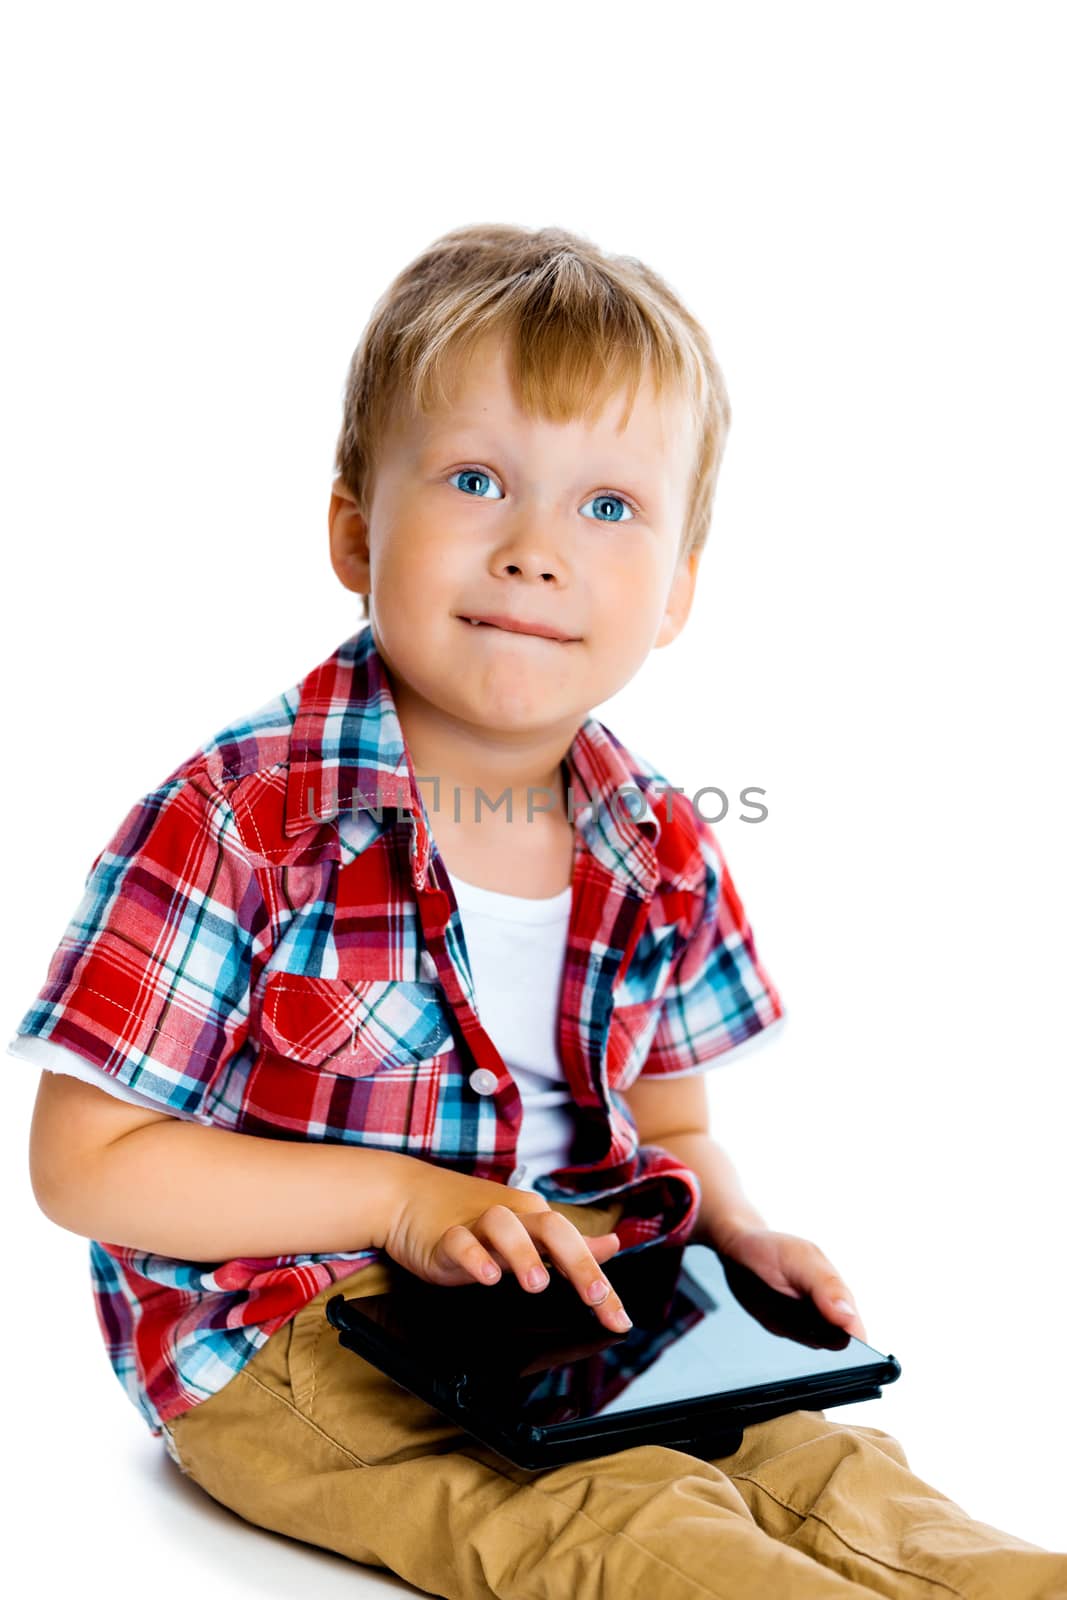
x: 483, y: 511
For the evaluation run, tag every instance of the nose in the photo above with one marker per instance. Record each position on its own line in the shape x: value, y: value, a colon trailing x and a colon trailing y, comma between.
x: 527, y: 552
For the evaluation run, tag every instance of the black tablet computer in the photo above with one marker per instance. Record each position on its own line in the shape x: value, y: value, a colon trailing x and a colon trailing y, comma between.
x: 539, y: 1379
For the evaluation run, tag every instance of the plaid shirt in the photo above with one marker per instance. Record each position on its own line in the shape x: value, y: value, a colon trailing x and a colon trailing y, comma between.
x: 269, y: 943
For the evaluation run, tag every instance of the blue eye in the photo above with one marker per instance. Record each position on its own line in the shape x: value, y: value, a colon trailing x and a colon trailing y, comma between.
x: 612, y: 500
x: 478, y: 480
x: 479, y: 476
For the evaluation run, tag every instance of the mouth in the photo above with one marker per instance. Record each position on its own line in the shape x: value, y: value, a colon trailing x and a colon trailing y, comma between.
x: 512, y: 625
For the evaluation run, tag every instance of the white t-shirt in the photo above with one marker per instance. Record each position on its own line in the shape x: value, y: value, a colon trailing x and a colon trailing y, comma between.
x: 517, y: 948
x: 58, y: 1058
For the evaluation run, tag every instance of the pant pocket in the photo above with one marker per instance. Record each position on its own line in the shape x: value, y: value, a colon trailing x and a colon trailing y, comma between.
x: 309, y: 1327
x: 352, y: 1402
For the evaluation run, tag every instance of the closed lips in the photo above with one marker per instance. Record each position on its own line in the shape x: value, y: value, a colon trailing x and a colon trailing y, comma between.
x: 542, y: 630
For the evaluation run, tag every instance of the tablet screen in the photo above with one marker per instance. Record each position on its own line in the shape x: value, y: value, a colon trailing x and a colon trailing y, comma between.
x: 702, y: 1327
x: 708, y: 1328
x: 718, y: 1344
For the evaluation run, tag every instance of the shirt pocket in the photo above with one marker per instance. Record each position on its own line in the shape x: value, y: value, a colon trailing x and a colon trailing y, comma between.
x: 354, y: 1026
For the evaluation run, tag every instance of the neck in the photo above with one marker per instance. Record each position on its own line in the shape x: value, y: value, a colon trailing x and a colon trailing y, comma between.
x: 517, y: 774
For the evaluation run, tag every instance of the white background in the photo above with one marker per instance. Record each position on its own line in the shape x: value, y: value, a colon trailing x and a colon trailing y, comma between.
x: 864, y: 206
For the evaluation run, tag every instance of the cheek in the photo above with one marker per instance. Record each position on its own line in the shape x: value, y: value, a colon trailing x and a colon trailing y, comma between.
x: 636, y: 589
x: 407, y: 575
x: 427, y: 558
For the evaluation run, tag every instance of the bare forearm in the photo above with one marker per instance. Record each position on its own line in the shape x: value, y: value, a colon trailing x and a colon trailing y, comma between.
x: 208, y: 1194
x: 724, y: 1207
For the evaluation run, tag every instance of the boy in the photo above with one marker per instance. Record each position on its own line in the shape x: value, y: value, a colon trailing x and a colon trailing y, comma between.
x: 290, y: 1047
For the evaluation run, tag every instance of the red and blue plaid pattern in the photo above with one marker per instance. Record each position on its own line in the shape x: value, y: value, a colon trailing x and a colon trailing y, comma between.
x: 269, y: 943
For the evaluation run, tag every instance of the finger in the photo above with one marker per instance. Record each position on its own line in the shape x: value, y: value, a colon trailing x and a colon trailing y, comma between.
x: 505, y: 1232
x: 836, y: 1303
x: 601, y: 1245
x: 570, y: 1251
x: 459, y: 1250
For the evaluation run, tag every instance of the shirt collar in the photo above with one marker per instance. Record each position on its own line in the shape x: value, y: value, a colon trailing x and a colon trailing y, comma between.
x: 347, y: 740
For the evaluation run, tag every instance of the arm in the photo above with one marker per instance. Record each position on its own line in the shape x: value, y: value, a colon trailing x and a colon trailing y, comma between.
x: 672, y: 1112
x: 724, y: 1210
x: 137, y: 983
x: 129, y: 1176
x: 126, y: 1175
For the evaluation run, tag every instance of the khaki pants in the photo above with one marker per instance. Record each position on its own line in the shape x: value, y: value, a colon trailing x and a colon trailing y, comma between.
x: 311, y: 1441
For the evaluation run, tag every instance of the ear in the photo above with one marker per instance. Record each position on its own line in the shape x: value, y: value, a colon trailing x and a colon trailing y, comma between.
x: 349, y: 544
x: 679, y: 600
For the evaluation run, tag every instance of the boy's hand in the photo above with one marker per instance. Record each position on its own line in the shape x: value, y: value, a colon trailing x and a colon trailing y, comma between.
x: 449, y: 1228
x: 796, y: 1267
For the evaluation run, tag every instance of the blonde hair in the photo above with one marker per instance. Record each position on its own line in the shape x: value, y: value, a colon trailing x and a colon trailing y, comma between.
x: 580, y: 324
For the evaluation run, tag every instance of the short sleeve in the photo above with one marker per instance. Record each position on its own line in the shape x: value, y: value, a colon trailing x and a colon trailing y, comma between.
x: 151, y: 980
x: 719, y: 995
x: 49, y: 1057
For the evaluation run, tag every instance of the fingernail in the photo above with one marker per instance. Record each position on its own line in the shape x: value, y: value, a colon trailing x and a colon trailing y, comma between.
x: 598, y: 1289
x: 537, y: 1277
x: 620, y: 1320
x: 843, y: 1305
x: 490, y: 1272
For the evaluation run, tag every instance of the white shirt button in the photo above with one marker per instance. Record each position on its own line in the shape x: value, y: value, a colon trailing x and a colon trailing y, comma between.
x: 482, y: 1081
x: 517, y: 1176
